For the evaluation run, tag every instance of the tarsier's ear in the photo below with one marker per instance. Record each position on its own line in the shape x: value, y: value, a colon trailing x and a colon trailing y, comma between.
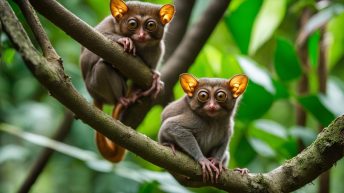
x: 188, y: 83
x: 166, y: 13
x: 237, y: 85
x: 118, y: 8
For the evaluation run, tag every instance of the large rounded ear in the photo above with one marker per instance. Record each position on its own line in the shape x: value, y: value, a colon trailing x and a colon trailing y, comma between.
x: 118, y: 8
x: 237, y: 84
x: 166, y: 13
x: 188, y: 83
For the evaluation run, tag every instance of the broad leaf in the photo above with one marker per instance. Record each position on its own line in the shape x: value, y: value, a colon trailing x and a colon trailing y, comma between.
x: 286, y: 62
x: 240, y: 22
x: 268, y: 19
x: 313, y: 104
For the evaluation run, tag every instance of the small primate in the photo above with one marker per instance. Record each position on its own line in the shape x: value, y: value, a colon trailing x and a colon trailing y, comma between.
x: 201, y: 123
x: 139, y: 28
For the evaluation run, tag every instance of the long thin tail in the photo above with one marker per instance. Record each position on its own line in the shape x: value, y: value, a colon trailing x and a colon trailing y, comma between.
x: 107, y: 148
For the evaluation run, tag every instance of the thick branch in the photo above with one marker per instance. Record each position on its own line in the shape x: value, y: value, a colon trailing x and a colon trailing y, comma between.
x: 178, y: 26
x: 294, y: 173
x: 131, y: 67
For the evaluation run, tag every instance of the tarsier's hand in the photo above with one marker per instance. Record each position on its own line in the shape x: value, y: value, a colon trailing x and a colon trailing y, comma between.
x: 207, y: 170
x: 128, y: 45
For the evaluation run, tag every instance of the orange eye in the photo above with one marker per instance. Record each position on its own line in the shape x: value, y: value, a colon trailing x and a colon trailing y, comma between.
x: 221, y: 96
x: 132, y: 24
x: 203, y: 96
x: 151, y: 25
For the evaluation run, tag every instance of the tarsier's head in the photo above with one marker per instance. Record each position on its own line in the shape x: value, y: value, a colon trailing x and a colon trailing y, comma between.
x: 213, y: 97
x: 142, y: 22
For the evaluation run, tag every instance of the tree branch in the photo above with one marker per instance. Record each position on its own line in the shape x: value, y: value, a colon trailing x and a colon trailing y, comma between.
x: 37, y: 29
x: 132, y: 67
x: 178, y: 26
x: 294, y: 173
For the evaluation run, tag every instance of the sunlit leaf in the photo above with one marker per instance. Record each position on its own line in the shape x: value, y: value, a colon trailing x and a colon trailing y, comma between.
x: 256, y: 73
x: 319, y: 19
x: 313, y: 104
x: 286, y: 62
x: 335, y: 37
x: 313, y: 49
x: 241, y: 28
x: 12, y: 152
x: 7, y: 56
x: 214, y: 57
x: 262, y: 148
x: 268, y: 19
x: 333, y: 100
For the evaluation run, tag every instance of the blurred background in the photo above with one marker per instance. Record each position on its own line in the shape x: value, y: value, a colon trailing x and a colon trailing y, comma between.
x: 291, y: 50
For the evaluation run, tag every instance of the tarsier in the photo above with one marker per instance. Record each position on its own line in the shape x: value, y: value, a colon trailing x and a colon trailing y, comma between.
x: 201, y: 123
x: 139, y: 28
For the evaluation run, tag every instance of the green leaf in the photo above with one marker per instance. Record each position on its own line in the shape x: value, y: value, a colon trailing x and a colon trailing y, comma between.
x: 243, y: 159
x: 336, y: 40
x: 256, y: 74
x: 286, y: 62
x: 268, y: 19
x: 281, y: 90
x: 313, y: 105
x: 7, y: 56
x: 262, y: 148
x: 313, y: 49
x: 307, y: 135
x: 151, y: 124
x: 240, y: 22
x: 333, y: 100
x: 255, y: 103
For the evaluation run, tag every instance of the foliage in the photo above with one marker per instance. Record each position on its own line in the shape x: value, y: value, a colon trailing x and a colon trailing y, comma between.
x: 255, y: 37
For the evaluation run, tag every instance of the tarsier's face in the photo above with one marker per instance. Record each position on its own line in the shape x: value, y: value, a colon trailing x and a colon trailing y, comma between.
x: 142, y: 29
x: 144, y: 23
x: 213, y: 97
x: 213, y: 101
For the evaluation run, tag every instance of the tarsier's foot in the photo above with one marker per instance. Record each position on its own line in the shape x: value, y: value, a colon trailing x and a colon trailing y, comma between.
x: 219, y: 165
x: 157, y: 86
x: 171, y: 145
x: 128, y: 45
x: 207, y: 170
x: 242, y: 171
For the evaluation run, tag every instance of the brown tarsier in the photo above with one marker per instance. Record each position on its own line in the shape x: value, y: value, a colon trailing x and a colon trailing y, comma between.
x: 201, y: 123
x: 139, y: 28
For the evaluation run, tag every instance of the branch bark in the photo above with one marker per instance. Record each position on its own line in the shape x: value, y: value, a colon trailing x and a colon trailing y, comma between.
x: 294, y: 173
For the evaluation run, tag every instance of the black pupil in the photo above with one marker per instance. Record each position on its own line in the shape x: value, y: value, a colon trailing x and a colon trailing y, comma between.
x: 150, y: 25
x: 132, y: 23
x: 203, y: 95
x: 221, y: 96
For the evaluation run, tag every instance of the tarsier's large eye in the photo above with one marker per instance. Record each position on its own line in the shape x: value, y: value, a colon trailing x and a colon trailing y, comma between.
x: 132, y: 24
x: 221, y: 96
x: 203, y: 96
x: 151, y: 25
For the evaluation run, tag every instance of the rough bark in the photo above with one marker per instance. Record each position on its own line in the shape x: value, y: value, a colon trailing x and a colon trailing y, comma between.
x: 294, y: 173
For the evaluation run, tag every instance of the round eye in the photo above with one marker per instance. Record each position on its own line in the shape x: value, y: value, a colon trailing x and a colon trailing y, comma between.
x: 221, y: 96
x: 203, y: 96
x: 132, y: 24
x: 151, y: 25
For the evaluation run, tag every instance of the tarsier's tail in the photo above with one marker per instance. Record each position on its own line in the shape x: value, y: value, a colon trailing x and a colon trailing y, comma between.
x: 107, y: 148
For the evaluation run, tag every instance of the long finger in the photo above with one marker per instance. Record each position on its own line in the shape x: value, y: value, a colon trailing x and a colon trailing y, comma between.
x: 210, y: 172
